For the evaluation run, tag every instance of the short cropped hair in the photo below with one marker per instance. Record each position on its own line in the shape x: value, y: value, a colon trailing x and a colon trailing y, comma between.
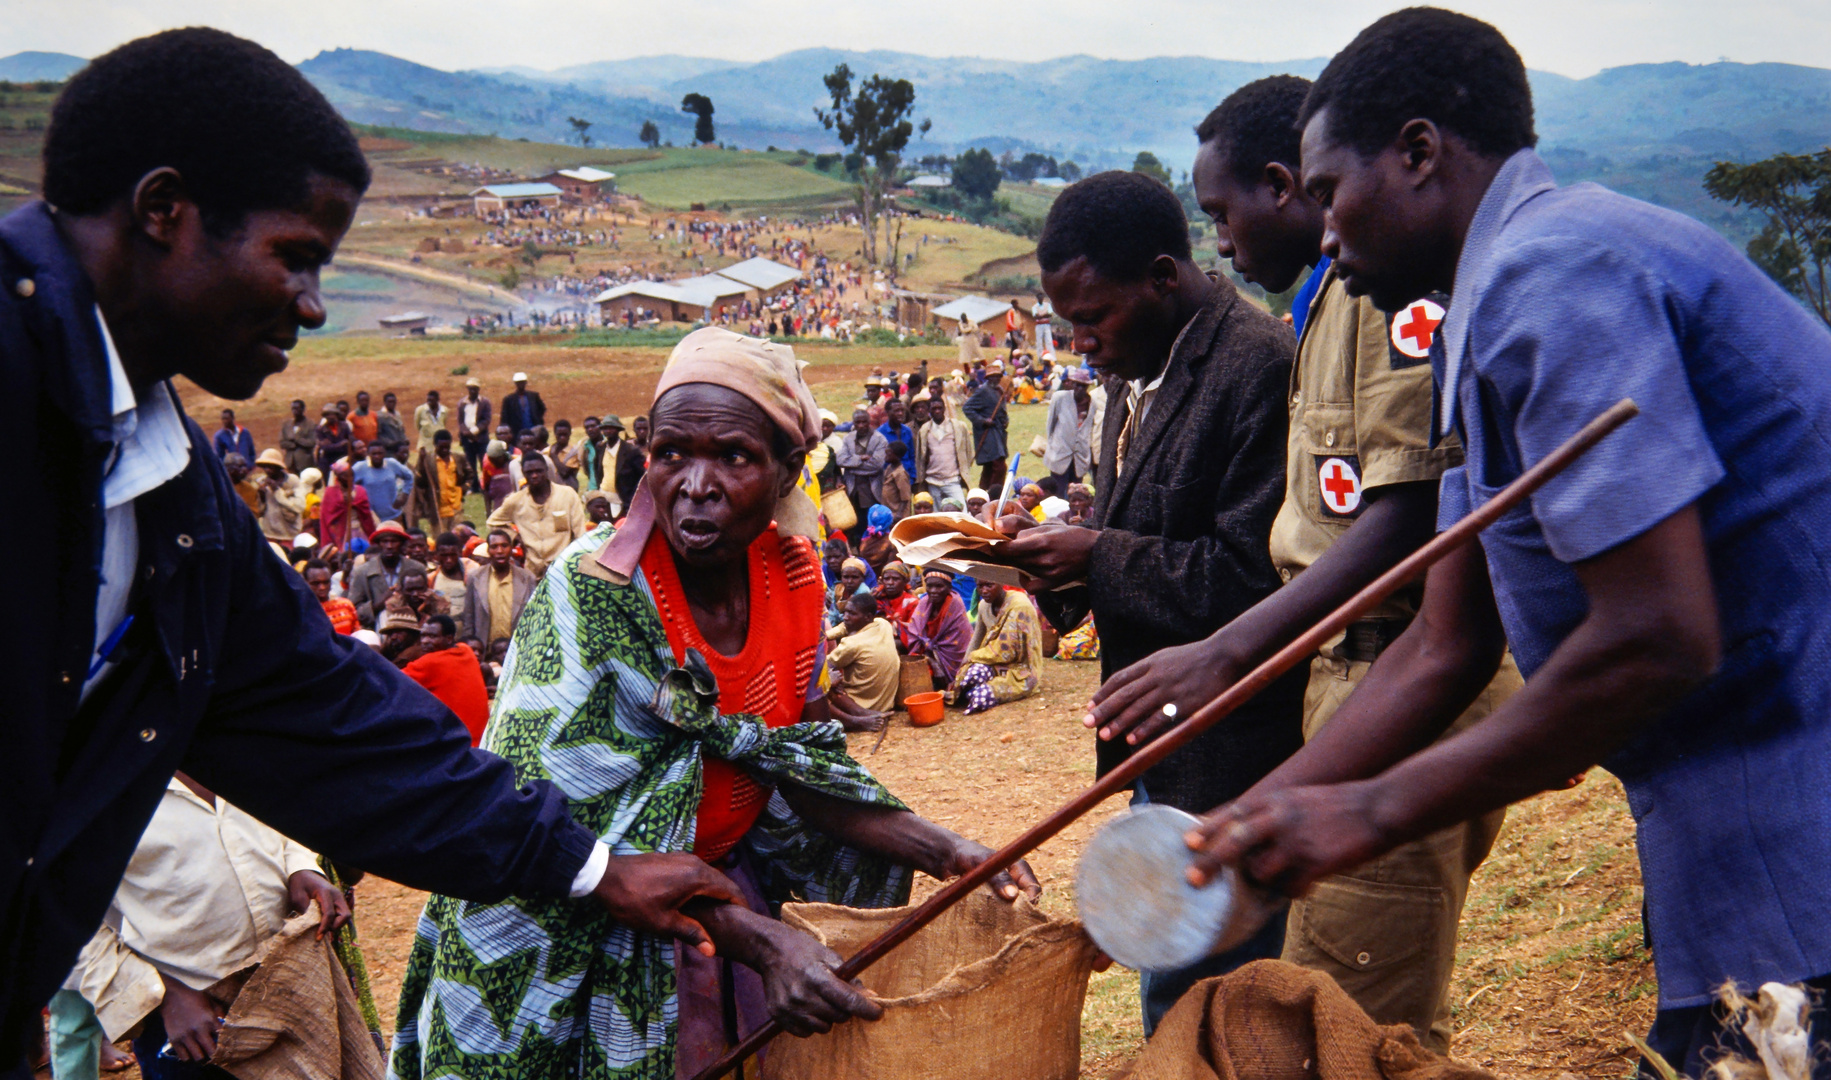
x: 448, y: 539
x: 1257, y: 125
x: 1426, y: 63
x: 1120, y: 222
x: 445, y: 623
x: 864, y: 602
x: 241, y: 125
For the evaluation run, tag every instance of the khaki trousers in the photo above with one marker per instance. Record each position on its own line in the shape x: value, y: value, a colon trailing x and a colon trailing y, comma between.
x: 1387, y: 931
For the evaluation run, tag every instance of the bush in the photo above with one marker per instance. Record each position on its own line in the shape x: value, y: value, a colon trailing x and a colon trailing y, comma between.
x: 825, y: 162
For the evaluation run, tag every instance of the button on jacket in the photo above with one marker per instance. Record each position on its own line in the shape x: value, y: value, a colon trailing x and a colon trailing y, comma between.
x: 230, y: 670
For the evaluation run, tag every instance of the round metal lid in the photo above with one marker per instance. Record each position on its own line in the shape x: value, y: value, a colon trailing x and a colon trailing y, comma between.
x: 1134, y: 900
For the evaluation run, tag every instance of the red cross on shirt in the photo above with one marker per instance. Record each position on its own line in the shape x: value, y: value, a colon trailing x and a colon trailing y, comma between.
x: 1421, y: 326
x: 1337, y: 483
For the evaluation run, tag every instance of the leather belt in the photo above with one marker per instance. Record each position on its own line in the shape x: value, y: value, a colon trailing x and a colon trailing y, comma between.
x: 1366, y: 639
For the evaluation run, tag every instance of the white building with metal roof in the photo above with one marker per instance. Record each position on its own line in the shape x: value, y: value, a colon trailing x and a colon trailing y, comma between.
x: 495, y: 198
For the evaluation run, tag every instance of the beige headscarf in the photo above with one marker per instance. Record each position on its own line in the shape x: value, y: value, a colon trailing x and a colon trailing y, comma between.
x: 768, y: 375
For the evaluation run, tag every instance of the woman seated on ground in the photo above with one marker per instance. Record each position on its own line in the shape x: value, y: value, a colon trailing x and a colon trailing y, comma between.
x: 1006, y: 665
x: 622, y: 660
x: 938, y: 627
x: 1031, y: 499
x: 894, y: 599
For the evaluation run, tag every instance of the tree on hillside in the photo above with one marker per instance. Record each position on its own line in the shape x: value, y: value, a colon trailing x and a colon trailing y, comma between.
x: 579, y: 128
x: 874, y: 124
x: 1147, y: 163
x: 650, y: 134
x: 976, y: 174
x: 1070, y: 171
x: 1794, y: 191
x: 701, y: 107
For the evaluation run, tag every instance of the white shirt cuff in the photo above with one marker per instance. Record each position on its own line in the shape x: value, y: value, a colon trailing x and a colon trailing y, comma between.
x: 593, y: 871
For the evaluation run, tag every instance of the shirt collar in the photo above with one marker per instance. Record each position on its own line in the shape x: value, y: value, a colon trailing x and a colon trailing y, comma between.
x: 1524, y: 175
x: 151, y: 445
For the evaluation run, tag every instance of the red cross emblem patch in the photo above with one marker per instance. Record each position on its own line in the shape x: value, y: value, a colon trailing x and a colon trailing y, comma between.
x: 1413, y: 329
x: 1339, y: 480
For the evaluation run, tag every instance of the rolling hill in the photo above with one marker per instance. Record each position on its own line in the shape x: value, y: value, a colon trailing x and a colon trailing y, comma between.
x: 39, y: 66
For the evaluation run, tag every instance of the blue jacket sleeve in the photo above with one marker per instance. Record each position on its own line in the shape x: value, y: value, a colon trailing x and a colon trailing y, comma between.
x: 317, y: 735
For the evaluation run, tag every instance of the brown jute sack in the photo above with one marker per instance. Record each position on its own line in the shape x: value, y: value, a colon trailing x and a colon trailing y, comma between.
x: 1270, y: 1020
x: 297, y: 1017
x: 988, y: 991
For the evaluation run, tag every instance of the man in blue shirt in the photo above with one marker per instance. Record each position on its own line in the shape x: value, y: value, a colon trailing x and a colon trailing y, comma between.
x: 195, y: 186
x: 1668, y: 597
x: 895, y: 428
x: 388, y: 482
x: 232, y: 438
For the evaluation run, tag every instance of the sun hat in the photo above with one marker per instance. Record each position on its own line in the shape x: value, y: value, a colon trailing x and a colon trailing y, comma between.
x: 304, y: 540
x: 472, y: 381
x: 271, y: 456
x: 520, y: 376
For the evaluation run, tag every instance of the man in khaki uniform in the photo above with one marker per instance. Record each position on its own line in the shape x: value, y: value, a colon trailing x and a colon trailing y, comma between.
x: 1360, y: 494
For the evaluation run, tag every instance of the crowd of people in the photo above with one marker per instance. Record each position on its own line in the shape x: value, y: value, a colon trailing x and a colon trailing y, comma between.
x: 206, y: 749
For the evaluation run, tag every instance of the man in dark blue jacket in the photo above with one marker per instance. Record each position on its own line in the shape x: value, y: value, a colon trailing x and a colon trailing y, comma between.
x: 195, y: 186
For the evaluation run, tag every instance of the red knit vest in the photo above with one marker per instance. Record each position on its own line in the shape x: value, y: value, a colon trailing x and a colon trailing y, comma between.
x: 768, y: 679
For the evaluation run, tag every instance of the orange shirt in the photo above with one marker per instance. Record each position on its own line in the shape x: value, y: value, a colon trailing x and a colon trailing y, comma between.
x: 455, y: 678
x: 363, y: 427
x: 768, y: 679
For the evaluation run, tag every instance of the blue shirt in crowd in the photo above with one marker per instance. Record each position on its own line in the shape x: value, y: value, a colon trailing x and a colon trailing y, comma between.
x: 227, y: 442
x: 906, y: 436
x: 1568, y: 300
x: 384, y: 485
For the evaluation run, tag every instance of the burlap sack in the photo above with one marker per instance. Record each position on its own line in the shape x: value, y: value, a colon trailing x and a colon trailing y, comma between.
x: 1271, y: 1020
x: 297, y: 1017
x: 988, y: 991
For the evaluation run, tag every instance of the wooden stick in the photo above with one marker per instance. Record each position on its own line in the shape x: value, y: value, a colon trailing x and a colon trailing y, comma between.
x: 1297, y: 652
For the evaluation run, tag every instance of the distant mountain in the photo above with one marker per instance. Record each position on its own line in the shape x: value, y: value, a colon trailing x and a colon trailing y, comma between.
x: 36, y: 66
x: 642, y: 76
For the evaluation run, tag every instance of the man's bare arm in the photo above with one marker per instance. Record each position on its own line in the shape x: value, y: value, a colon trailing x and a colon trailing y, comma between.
x: 1650, y: 637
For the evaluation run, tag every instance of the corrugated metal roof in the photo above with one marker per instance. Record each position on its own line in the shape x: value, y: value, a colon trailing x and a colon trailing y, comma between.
x: 671, y: 291
x: 976, y: 308
x: 587, y: 174
x: 517, y: 191
x: 716, y: 284
x: 761, y: 273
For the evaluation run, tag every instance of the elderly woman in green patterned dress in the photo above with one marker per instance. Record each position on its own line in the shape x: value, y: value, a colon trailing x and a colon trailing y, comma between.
x: 669, y: 677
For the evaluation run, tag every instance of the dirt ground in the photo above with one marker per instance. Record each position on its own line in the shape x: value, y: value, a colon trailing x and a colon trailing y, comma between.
x: 1552, y: 972
x: 1551, y: 975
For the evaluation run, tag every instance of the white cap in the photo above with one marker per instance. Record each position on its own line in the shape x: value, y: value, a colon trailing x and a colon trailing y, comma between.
x: 304, y: 540
x: 520, y: 376
x: 367, y: 637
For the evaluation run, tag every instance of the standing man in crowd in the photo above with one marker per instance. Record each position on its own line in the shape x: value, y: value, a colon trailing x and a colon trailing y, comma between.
x: 495, y: 592
x: 1068, y: 431
x: 944, y: 450
x: 1360, y: 494
x: 632, y: 462
x: 448, y: 572
x: 333, y: 438
x: 474, y: 422
x: 440, y: 480
x: 547, y: 516
x: 363, y: 425
x: 298, y: 440
x: 158, y: 251
x: 1190, y: 480
x: 282, y: 509
x: 428, y: 420
x: 388, y: 482
x: 380, y: 573
x: 389, y: 427
x: 1041, y: 312
x: 896, y: 429
x: 1674, y: 632
x: 522, y: 409
x: 985, y: 409
x: 232, y: 438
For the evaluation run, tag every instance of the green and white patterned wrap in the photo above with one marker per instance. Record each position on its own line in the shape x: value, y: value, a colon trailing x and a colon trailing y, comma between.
x: 590, y: 699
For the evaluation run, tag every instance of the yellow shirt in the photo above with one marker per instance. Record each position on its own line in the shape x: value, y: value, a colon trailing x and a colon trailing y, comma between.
x: 1360, y: 419
x: 546, y: 528
x: 502, y: 605
x: 451, y: 496
x: 866, y: 666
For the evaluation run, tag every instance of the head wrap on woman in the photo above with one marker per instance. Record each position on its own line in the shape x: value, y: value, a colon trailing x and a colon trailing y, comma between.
x: 923, y: 502
x: 878, y: 521
x: 853, y: 562
x: 769, y: 376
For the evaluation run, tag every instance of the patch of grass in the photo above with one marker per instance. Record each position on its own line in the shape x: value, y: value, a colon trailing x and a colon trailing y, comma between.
x: 678, y: 178
x: 612, y: 338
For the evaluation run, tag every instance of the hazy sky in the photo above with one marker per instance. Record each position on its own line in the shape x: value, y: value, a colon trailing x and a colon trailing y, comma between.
x: 1571, y: 37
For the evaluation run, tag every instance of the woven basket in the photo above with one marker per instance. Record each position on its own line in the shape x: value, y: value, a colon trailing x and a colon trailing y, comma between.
x: 988, y: 991
x: 916, y: 677
x: 840, y: 513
